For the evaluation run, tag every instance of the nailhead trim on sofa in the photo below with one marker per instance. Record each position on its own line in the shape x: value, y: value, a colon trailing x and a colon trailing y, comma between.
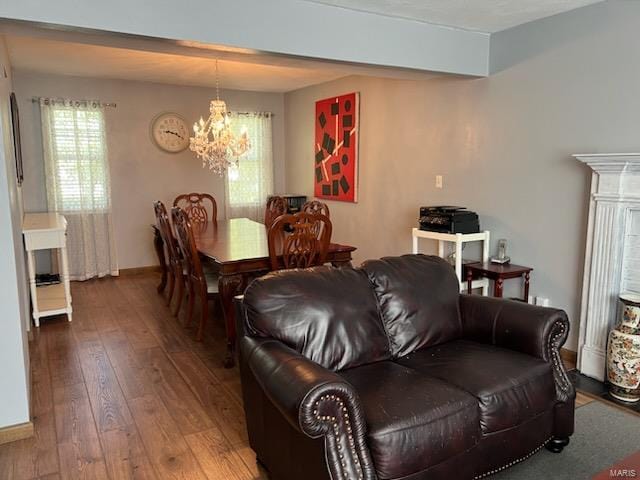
x: 511, y: 464
x: 564, y: 387
x: 336, y: 430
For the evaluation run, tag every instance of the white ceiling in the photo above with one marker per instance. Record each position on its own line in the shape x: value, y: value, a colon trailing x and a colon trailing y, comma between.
x: 481, y: 15
x: 29, y: 54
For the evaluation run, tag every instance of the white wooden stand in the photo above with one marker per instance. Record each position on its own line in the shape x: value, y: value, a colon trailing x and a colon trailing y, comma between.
x: 43, y: 231
x: 458, y: 239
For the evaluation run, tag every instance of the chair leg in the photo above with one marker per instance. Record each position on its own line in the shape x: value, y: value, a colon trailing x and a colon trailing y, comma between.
x: 179, y: 294
x: 192, y: 293
x: 204, y: 310
x: 171, y: 286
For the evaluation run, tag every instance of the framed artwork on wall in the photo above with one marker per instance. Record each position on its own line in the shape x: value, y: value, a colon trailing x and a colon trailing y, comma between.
x: 336, y: 148
x: 17, y: 148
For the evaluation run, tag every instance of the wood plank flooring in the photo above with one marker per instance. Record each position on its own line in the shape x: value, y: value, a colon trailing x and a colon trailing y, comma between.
x: 582, y: 399
x: 124, y: 392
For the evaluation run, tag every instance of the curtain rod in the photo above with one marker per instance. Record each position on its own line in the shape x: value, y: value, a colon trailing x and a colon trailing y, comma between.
x: 104, y: 104
x: 270, y: 114
x: 64, y: 100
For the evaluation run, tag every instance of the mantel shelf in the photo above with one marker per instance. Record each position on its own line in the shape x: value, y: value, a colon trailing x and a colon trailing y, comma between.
x: 611, y: 162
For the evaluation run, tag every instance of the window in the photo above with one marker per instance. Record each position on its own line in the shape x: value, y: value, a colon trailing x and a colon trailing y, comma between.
x: 76, y: 157
x: 249, y: 185
x: 77, y: 171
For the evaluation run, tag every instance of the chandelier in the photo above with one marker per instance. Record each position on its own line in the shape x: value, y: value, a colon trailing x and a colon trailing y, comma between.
x: 213, y: 140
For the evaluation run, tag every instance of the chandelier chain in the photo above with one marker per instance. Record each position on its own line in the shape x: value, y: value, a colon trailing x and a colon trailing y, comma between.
x: 217, y: 82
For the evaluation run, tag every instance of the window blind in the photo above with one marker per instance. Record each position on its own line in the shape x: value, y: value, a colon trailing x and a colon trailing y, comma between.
x: 78, y: 180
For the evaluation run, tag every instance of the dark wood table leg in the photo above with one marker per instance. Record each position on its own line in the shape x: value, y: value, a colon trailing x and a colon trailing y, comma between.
x: 526, y: 287
x: 469, y: 281
x: 229, y: 286
x: 159, y: 246
x: 497, y: 287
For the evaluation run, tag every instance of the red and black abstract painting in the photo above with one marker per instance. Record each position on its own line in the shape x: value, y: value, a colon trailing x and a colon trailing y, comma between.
x: 336, y: 148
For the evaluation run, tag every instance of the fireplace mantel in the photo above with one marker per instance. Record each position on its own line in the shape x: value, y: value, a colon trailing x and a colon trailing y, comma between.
x: 610, y: 161
x: 614, y: 207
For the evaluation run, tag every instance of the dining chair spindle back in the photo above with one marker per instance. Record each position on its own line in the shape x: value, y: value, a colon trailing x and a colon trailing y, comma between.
x: 198, y: 280
x: 194, y: 204
x: 276, y: 206
x: 175, y: 270
x: 299, y: 240
x: 316, y: 206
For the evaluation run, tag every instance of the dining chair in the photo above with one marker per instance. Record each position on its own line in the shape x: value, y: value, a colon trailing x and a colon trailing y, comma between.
x: 194, y: 205
x: 299, y: 240
x: 276, y: 206
x: 197, y: 278
x: 175, y: 270
x: 316, y: 206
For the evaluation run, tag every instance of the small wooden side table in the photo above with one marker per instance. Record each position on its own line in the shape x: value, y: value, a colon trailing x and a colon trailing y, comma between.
x: 498, y: 273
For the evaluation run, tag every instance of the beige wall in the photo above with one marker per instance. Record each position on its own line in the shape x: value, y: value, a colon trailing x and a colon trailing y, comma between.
x: 140, y: 172
x: 502, y: 143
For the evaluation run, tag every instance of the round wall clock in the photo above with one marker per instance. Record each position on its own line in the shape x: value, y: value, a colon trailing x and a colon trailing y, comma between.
x: 170, y: 132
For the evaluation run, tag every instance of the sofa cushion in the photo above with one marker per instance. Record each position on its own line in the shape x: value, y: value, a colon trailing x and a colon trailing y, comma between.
x: 413, y: 421
x: 329, y: 315
x: 510, y: 387
x: 418, y: 297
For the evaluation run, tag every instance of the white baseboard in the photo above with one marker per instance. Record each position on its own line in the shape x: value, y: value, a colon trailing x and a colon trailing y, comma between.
x: 593, y: 362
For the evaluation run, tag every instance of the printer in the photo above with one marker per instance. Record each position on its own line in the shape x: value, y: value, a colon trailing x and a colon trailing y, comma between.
x: 448, y: 219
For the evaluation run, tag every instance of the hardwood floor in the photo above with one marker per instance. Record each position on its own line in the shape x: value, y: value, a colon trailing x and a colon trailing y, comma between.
x: 582, y: 399
x: 124, y: 391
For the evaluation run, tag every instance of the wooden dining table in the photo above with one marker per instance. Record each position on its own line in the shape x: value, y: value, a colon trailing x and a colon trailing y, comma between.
x: 239, y: 249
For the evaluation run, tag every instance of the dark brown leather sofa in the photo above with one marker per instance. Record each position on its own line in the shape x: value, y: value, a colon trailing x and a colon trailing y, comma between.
x: 387, y: 372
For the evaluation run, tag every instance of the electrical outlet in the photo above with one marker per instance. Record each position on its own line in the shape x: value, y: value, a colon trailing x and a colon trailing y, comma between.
x: 438, y: 181
x: 542, y: 301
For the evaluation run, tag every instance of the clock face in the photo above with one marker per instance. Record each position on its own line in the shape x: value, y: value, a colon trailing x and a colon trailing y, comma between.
x: 170, y: 132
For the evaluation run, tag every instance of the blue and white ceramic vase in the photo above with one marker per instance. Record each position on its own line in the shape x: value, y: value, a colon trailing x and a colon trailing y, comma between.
x: 623, y: 352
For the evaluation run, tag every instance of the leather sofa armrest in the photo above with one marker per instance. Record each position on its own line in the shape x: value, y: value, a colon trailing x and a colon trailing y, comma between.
x: 315, y: 401
x: 533, y: 330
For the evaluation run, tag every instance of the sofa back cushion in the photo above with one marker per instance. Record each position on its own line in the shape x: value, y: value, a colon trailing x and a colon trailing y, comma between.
x: 418, y: 298
x: 329, y: 315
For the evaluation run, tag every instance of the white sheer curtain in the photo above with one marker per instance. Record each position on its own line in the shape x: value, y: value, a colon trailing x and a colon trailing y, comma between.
x: 77, y: 175
x: 249, y: 185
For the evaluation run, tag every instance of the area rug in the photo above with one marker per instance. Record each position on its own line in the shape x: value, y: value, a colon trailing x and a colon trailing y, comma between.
x: 604, y: 436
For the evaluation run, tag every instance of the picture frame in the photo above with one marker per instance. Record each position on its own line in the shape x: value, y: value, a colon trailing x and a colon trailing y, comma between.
x: 336, y: 148
x: 17, y: 146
